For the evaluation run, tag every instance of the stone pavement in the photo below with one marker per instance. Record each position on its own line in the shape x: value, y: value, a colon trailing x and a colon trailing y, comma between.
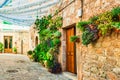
x: 19, y: 67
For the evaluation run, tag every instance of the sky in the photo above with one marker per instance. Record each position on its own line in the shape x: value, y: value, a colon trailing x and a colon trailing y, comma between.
x: 23, y: 12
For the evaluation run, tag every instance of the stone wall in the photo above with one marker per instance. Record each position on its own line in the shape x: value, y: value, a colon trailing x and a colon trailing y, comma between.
x: 17, y: 38
x: 33, y: 34
x: 99, y: 61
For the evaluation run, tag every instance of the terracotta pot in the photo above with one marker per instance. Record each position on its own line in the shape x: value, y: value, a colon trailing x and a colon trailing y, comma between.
x: 77, y: 40
x: 117, y: 30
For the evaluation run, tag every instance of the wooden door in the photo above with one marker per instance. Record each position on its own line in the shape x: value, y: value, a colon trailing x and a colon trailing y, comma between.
x: 70, y: 54
x: 8, y: 44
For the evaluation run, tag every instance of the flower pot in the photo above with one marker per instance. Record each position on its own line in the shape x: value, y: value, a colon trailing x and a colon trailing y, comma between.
x: 77, y: 40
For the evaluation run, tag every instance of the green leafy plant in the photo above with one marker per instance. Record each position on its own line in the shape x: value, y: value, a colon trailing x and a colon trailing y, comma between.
x: 81, y: 25
x: 116, y: 11
x: 15, y: 50
x: 1, y: 47
x: 57, y: 34
x: 87, y: 37
x: 94, y: 19
x: 74, y: 38
x: 56, y: 41
x: 105, y: 21
x: 116, y: 25
x: 49, y: 34
x: 30, y: 52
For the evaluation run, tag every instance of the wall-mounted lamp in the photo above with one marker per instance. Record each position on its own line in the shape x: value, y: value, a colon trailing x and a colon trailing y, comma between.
x: 79, y: 14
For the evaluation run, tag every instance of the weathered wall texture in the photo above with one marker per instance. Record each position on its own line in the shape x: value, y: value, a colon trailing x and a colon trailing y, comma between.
x: 99, y: 61
x: 17, y: 38
x: 33, y: 34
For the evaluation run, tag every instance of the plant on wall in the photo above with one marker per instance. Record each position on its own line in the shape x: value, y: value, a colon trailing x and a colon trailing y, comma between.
x: 81, y: 25
x: 100, y: 25
x: 116, y: 25
x: 49, y: 34
x: 116, y: 13
x: 74, y: 39
x: 1, y: 47
x: 105, y: 21
x: 90, y: 34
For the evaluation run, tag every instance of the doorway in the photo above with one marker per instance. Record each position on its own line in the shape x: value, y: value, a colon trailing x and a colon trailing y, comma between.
x: 70, y: 51
x: 36, y: 41
x: 8, y: 44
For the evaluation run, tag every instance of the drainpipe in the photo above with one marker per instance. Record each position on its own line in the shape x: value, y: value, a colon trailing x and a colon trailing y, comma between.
x: 81, y: 61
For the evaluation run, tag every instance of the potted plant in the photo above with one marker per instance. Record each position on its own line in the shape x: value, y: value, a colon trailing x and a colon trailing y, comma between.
x: 15, y: 50
x: 1, y: 47
x: 116, y: 26
x: 74, y: 39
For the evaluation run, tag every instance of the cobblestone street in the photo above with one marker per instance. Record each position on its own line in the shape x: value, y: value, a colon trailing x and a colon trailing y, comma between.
x: 19, y: 67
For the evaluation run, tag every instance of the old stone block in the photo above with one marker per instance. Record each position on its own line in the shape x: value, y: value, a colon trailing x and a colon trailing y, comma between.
x: 111, y: 61
x: 99, y: 51
x: 98, y: 3
x: 109, y: 51
x: 111, y: 76
x: 98, y: 45
x: 107, y: 67
x: 116, y: 70
x: 117, y: 1
x: 94, y: 70
x: 102, y: 74
x: 118, y: 63
x: 102, y: 59
x: 106, y: 44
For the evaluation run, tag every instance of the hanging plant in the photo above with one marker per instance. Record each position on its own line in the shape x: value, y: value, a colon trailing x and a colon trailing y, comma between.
x: 116, y: 26
x: 74, y: 39
x: 87, y: 37
x: 90, y: 34
x: 104, y: 22
x: 116, y: 13
x: 81, y: 25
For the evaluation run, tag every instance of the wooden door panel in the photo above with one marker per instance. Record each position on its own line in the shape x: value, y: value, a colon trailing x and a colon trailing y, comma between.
x: 8, y: 44
x: 70, y: 51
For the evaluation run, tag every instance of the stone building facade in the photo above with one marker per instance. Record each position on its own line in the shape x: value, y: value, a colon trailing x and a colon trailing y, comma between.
x: 100, y: 61
x: 18, y: 40
x: 34, y: 37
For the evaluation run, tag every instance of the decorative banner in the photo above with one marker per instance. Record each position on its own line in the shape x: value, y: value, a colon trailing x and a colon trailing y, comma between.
x: 24, y: 12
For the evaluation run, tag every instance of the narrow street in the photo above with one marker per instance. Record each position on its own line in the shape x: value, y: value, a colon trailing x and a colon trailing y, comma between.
x: 19, y: 67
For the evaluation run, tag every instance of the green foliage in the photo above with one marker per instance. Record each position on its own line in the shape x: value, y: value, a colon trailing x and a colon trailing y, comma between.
x: 87, y: 37
x: 73, y: 38
x: 94, y: 19
x: 115, y: 11
x: 56, y: 41
x: 104, y: 28
x: 50, y: 64
x: 57, y: 34
x: 116, y: 25
x: 49, y: 56
x: 49, y: 39
x: 105, y: 21
x: 81, y: 25
x: 30, y: 52
x: 1, y: 47
x: 15, y: 49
